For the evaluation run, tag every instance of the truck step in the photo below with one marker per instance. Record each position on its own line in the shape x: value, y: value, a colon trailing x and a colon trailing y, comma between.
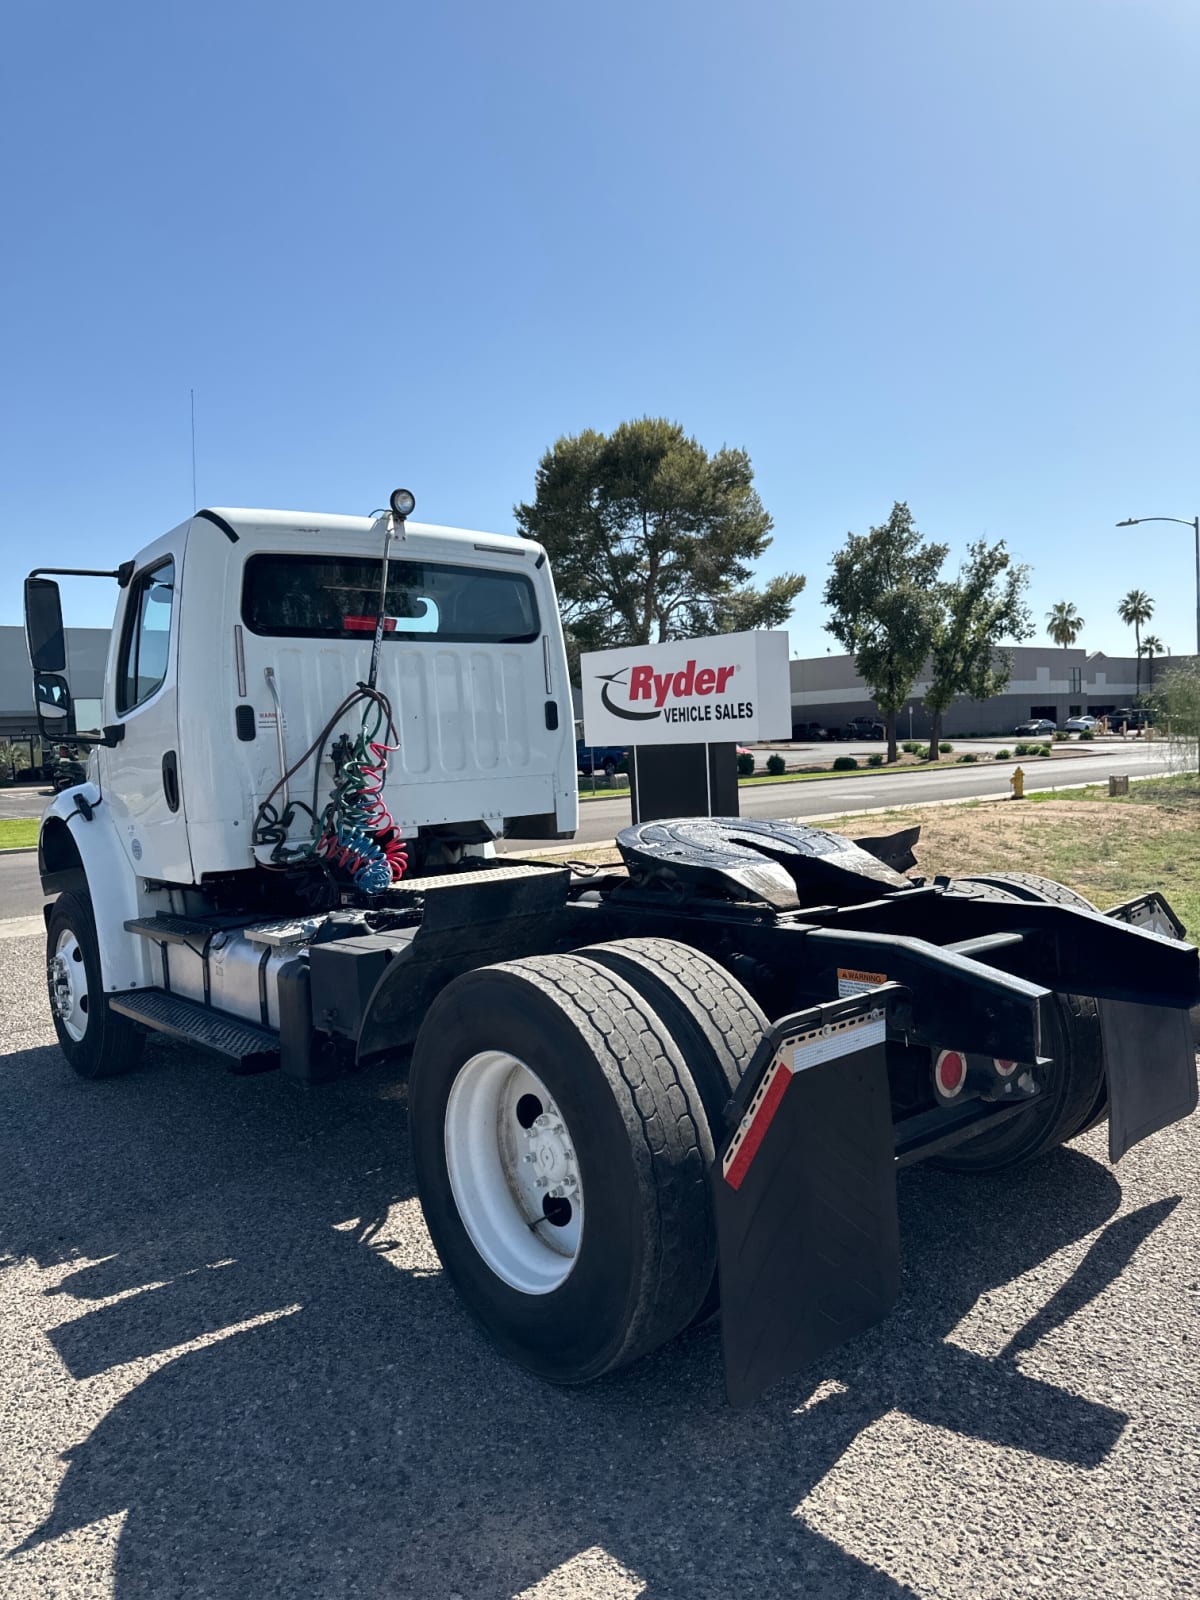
x: 244, y: 1046
x: 169, y: 928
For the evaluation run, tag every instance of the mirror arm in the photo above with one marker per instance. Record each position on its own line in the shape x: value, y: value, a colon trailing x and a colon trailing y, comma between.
x: 79, y: 572
x: 112, y: 736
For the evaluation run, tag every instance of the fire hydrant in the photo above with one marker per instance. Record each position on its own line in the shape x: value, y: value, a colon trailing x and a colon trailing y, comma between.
x: 1018, y: 784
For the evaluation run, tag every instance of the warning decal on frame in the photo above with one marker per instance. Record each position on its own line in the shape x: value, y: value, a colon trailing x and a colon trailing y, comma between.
x: 851, y: 981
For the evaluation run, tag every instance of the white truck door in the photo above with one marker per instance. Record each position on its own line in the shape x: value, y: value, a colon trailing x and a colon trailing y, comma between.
x: 140, y: 776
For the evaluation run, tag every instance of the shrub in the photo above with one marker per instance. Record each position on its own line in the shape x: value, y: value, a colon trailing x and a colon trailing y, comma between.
x: 1061, y: 736
x: 970, y: 756
x: 922, y: 752
x: 1022, y: 749
x: 1003, y: 755
x: 745, y: 765
x: 776, y: 766
x: 910, y: 747
x: 946, y: 749
x: 875, y: 761
x: 845, y: 764
x: 1043, y: 750
x: 1087, y: 734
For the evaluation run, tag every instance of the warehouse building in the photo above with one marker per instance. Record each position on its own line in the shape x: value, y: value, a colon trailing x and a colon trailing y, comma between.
x: 1046, y: 681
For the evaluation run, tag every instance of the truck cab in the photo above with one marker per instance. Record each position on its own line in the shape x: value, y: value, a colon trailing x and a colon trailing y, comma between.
x: 237, y: 635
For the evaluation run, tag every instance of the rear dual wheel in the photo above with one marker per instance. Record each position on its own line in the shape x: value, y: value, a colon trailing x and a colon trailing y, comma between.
x: 563, y: 1111
x: 1074, y: 1094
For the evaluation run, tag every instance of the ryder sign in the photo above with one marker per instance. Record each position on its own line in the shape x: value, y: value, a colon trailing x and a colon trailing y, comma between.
x: 722, y: 690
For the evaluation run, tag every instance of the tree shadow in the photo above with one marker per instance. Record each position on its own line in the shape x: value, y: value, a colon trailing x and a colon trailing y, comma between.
x: 361, y: 1437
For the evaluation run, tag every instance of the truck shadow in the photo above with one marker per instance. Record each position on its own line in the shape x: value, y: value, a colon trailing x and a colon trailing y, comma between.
x: 335, y: 1425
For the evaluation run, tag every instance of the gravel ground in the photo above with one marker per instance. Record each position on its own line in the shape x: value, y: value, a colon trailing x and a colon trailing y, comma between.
x: 230, y: 1367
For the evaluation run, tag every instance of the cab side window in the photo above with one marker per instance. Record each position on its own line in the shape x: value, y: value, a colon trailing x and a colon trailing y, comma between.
x: 147, y: 636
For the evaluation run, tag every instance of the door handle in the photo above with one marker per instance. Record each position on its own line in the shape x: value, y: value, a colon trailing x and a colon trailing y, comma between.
x: 170, y: 779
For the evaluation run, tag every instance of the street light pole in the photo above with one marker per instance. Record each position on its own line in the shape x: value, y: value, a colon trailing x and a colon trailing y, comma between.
x: 1184, y: 522
x: 1194, y: 524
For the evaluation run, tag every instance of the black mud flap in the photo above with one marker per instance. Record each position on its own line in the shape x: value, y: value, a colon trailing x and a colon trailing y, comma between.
x: 1150, y: 1062
x: 805, y: 1194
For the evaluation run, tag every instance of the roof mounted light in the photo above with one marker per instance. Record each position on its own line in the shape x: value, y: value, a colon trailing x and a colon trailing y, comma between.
x: 403, y: 503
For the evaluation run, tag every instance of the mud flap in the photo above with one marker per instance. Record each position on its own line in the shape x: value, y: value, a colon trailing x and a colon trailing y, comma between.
x: 1150, y: 1063
x: 804, y: 1193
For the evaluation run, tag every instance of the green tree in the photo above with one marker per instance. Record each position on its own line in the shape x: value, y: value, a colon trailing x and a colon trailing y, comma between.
x: 1176, y: 706
x: 984, y: 606
x: 651, y: 538
x: 1152, y: 646
x: 1064, y: 624
x: 882, y: 595
x: 1135, y: 609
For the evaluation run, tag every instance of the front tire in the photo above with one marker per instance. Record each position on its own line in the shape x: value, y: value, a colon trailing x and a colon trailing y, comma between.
x: 96, y: 1041
x: 552, y: 1068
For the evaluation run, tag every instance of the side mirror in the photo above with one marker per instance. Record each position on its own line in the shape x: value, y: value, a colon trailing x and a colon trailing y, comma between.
x: 44, y: 626
x: 52, y: 700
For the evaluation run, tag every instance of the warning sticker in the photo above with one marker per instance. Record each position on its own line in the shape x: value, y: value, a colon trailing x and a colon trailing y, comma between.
x: 851, y: 981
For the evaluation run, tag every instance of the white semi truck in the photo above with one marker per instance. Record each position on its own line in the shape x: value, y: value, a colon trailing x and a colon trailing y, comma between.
x: 637, y: 1094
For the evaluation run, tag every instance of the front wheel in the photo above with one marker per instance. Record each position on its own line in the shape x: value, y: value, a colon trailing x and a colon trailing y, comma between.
x: 96, y: 1041
x: 562, y: 1152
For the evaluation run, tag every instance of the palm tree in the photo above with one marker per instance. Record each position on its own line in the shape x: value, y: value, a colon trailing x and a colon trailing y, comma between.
x: 1152, y: 646
x: 1135, y: 609
x: 1064, y: 624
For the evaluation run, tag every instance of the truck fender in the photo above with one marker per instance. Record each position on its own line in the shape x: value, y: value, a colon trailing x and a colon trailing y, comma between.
x: 82, y: 854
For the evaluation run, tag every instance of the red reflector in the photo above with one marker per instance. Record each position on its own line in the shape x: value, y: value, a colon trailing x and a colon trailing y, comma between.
x: 950, y: 1071
x: 1004, y: 1068
x: 367, y: 624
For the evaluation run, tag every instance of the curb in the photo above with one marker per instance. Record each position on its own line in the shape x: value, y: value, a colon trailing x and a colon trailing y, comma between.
x: 19, y: 850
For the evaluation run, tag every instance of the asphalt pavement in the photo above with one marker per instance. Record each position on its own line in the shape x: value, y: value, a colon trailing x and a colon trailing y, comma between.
x: 824, y: 797
x: 231, y: 1367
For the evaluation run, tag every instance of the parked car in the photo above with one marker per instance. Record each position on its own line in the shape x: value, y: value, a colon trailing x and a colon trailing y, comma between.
x: 864, y: 728
x: 604, y: 758
x: 1035, y: 727
x: 1132, y: 717
x: 1079, y: 724
x: 810, y: 732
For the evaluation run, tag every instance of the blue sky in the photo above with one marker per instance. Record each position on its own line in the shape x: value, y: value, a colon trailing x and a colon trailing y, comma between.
x: 936, y: 250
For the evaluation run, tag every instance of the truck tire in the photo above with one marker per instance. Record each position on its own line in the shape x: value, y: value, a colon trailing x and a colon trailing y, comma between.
x: 1029, y: 886
x: 552, y: 1068
x: 96, y: 1041
x: 716, y: 1024
x: 711, y: 1017
x: 1076, y: 1097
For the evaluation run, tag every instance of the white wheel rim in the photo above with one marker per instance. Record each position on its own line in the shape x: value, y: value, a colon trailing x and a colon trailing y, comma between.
x: 68, y: 985
x: 514, y: 1173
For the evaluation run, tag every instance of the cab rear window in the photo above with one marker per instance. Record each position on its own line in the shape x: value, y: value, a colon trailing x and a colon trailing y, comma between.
x: 337, y: 597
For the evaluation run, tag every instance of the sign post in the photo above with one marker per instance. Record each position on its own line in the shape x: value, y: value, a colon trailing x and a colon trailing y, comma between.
x: 707, y: 694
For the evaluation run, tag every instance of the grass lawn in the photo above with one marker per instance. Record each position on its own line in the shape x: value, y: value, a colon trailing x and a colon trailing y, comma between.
x: 1107, y: 849
x: 15, y: 831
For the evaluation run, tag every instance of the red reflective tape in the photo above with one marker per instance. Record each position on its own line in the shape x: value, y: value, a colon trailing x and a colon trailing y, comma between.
x: 757, y: 1131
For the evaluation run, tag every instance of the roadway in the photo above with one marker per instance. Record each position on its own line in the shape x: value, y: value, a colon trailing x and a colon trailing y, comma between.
x: 602, y: 819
